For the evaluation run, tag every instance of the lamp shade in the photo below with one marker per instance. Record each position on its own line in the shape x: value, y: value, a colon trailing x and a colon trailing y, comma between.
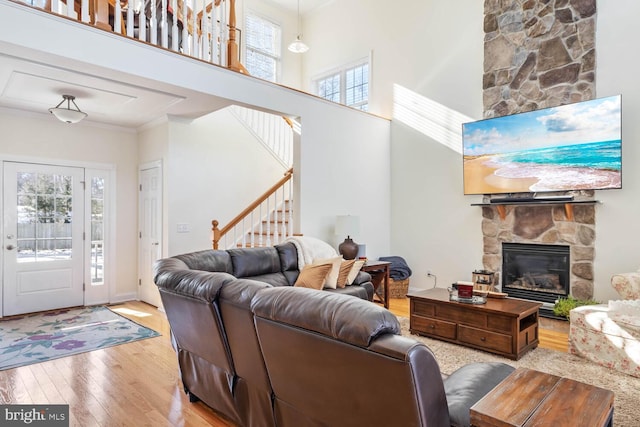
x: 298, y: 46
x: 347, y: 225
x: 68, y: 114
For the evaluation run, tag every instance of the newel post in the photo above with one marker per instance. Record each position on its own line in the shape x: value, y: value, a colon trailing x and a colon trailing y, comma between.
x: 216, y: 233
x: 100, y: 14
x: 233, y: 62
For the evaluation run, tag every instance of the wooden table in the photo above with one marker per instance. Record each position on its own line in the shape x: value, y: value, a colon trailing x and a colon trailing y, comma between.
x: 379, y: 271
x: 507, y: 326
x: 532, y: 398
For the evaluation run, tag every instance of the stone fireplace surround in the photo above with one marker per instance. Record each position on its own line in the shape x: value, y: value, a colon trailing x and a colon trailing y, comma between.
x: 537, y: 54
x: 543, y: 224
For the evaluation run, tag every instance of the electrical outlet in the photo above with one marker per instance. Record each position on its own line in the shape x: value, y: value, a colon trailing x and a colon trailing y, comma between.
x: 183, y: 228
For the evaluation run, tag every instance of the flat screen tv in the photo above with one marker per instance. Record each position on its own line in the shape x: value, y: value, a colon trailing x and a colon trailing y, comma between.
x: 571, y: 147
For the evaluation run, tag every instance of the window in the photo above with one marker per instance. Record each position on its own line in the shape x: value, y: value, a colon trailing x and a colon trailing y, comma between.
x: 348, y: 86
x: 262, y: 48
x: 97, y: 229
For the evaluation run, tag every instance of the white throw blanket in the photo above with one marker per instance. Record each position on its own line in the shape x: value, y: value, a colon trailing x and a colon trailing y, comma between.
x: 310, y: 249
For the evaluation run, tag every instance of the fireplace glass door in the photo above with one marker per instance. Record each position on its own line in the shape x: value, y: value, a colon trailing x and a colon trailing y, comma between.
x: 535, y: 272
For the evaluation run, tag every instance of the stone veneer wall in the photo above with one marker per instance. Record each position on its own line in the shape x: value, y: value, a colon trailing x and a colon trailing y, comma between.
x: 544, y: 224
x: 538, y: 54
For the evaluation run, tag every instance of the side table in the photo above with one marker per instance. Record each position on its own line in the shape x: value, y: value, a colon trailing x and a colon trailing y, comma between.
x: 379, y: 271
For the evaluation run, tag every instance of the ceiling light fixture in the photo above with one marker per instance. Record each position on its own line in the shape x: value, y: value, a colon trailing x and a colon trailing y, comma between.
x: 67, y: 114
x: 298, y: 46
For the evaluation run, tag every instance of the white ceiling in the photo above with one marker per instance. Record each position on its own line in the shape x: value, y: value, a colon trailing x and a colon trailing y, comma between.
x: 305, y: 5
x: 35, y: 86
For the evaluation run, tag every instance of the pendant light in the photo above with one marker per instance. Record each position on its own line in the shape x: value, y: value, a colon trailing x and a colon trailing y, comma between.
x: 68, y: 114
x: 298, y: 46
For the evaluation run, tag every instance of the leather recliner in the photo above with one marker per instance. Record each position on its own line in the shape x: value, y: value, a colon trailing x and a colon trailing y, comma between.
x: 209, y: 292
x: 265, y: 355
x: 336, y: 361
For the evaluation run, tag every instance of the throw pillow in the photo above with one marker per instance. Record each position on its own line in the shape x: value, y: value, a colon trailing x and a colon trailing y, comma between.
x: 331, y: 281
x: 355, y: 269
x: 313, y: 276
x: 345, y: 268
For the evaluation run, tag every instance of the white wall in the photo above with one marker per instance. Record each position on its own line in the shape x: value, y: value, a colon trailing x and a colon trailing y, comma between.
x: 33, y: 138
x: 214, y: 169
x: 435, y: 49
x: 345, y: 170
x: 422, y: 44
x: 617, y: 225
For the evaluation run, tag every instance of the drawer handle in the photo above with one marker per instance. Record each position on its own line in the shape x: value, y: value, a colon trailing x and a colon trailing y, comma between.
x: 483, y: 339
x: 432, y: 326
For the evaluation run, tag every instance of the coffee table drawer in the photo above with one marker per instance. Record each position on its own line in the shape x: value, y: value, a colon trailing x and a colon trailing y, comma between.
x: 435, y: 327
x: 485, y: 339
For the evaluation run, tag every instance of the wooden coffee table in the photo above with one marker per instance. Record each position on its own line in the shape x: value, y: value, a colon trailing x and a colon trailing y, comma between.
x: 532, y: 398
x: 508, y: 326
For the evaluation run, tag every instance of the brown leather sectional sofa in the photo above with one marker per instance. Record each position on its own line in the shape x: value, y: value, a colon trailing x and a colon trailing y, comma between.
x: 265, y: 353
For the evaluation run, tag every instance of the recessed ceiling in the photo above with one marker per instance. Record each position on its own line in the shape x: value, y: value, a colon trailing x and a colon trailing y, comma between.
x: 35, y: 87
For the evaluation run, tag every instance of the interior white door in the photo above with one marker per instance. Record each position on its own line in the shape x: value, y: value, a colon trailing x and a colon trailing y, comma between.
x: 150, y: 231
x: 43, y: 263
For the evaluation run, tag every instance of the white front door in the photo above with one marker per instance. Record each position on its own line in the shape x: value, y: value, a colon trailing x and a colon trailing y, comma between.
x: 150, y: 231
x: 43, y: 263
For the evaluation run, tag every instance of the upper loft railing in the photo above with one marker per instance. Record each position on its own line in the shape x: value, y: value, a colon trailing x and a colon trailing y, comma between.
x: 201, y: 29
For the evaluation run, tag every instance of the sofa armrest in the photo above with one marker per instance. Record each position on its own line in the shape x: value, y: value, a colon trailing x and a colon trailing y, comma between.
x: 362, y: 277
x: 173, y: 276
x: 469, y: 384
x: 627, y: 285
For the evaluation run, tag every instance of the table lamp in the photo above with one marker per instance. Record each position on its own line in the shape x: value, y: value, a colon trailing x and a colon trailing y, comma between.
x: 347, y: 225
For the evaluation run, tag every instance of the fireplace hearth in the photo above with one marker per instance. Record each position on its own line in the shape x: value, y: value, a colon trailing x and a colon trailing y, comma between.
x: 536, y: 272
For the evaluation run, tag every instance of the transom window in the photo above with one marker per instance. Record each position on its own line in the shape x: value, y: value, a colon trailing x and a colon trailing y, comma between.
x: 262, y: 48
x: 348, y: 86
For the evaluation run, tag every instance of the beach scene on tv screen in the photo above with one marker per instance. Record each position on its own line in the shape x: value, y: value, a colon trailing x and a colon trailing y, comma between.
x: 570, y: 147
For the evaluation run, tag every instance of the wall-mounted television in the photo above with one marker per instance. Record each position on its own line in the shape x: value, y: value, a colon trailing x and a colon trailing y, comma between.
x: 571, y: 147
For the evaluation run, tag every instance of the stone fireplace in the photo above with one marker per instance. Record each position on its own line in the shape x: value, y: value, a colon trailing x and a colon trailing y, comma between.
x: 540, y: 54
x: 543, y: 225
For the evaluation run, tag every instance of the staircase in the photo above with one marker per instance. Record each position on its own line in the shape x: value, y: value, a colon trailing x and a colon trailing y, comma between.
x: 272, y: 230
x: 265, y: 222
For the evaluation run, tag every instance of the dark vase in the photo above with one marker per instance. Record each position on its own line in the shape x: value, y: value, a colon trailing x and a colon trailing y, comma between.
x: 348, y: 249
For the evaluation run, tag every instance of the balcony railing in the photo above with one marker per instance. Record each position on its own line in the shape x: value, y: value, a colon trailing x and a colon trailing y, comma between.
x: 202, y: 30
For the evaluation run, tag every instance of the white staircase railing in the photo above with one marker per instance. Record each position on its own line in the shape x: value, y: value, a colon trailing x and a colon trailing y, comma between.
x: 266, y: 222
x: 273, y: 131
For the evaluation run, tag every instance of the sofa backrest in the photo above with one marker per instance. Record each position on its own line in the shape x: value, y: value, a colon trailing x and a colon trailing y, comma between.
x: 190, y: 298
x: 208, y: 260
x: 344, y: 363
x: 253, y: 389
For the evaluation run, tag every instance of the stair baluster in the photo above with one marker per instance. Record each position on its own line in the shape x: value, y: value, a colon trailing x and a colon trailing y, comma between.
x: 270, y: 207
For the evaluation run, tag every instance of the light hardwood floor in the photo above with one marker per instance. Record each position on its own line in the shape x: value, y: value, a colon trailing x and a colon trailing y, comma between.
x: 135, y: 384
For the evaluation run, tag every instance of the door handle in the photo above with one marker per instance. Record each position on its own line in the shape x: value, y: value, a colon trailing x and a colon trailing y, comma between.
x: 10, y: 247
x: 155, y: 244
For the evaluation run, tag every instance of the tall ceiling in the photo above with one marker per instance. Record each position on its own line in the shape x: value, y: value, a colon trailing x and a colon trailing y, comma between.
x: 34, y: 86
x: 305, y: 5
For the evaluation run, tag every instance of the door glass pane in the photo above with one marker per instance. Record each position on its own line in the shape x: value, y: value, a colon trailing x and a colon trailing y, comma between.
x: 97, y: 230
x: 26, y: 250
x: 44, y: 212
x: 26, y: 183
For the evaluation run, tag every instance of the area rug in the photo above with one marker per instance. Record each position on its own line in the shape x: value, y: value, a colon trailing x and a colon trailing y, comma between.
x: 625, y: 387
x: 46, y: 336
